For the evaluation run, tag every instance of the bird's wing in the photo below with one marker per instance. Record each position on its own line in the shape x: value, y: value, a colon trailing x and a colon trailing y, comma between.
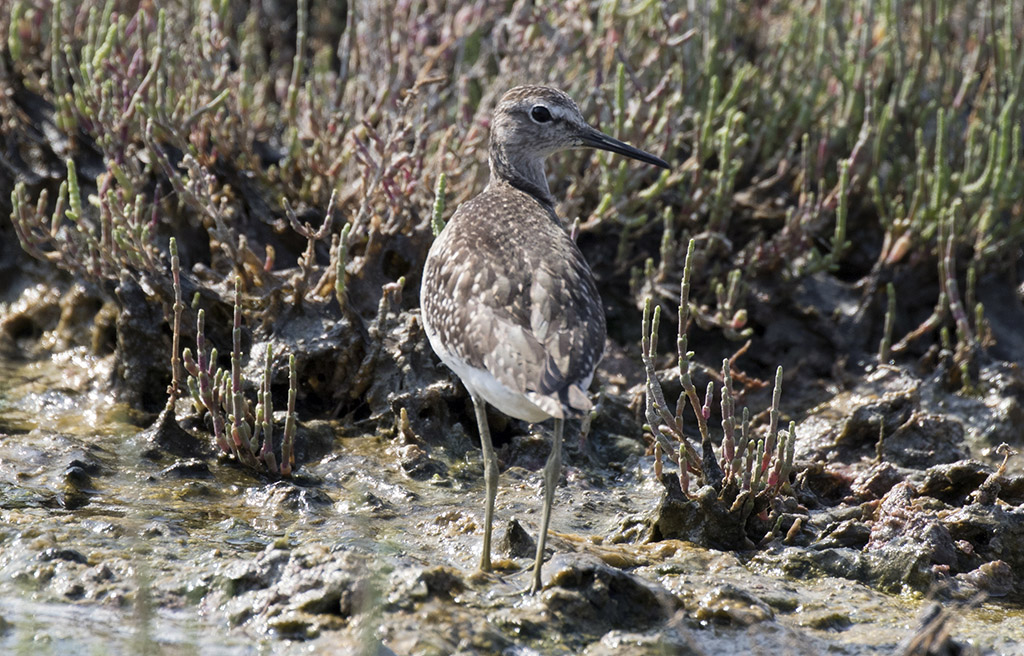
x: 542, y: 335
x: 532, y: 318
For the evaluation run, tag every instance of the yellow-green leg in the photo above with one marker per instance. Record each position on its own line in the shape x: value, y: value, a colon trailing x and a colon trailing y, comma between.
x: 552, y: 472
x: 490, y: 478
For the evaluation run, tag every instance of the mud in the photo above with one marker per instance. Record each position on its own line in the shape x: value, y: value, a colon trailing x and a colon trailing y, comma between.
x: 373, y: 545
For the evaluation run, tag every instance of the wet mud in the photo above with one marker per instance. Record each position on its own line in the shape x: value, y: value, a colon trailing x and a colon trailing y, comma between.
x: 142, y: 539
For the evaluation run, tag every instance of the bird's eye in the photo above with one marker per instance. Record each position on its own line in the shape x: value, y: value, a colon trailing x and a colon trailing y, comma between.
x: 540, y: 114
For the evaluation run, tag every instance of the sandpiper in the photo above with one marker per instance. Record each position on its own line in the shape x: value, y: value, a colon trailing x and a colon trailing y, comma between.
x: 509, y: 303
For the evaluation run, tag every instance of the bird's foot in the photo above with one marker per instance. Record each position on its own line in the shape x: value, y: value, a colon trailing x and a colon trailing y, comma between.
x: 533, y: 589
x: 535, y: 585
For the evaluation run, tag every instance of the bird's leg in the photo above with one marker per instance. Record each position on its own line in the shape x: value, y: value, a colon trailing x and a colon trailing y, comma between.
x: 552, y: 472
x: 490, y: 478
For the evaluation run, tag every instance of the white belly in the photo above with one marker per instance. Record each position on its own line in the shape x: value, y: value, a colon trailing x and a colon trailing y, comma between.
x: 482, y: 383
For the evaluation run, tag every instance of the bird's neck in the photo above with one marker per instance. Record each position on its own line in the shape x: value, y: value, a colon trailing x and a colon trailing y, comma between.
x: 523, y: 173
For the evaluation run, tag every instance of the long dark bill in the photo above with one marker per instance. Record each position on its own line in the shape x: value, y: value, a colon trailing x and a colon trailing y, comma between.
x: 596, y: 139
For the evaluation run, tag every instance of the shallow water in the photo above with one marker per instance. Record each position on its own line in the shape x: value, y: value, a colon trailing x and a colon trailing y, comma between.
x: 41, y: 415
x: 104, y: 549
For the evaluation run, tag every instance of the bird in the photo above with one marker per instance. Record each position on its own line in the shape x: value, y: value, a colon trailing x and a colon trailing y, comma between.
x: 508, y: 301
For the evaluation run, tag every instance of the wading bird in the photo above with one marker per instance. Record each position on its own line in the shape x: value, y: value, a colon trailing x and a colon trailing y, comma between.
x: 509, y: 303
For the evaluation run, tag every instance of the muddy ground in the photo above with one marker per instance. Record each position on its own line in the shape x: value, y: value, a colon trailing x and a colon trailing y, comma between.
x: 899, y: 524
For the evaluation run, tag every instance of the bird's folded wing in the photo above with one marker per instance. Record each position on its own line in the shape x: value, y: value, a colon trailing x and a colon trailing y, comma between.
x: 546, y: 347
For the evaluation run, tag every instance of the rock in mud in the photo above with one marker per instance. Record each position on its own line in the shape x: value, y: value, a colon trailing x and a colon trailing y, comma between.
x: 294, y: 593
x: 729, y: 604
x: 190, y: 469
x: 909, y: 546
x: 405, y: 374
x: 165, y: 436
x: 953, y: 482
x: 417, y: 463
x: 993, y: 579
x: 849, y: 425
x: 327, y: 351
x: 413, y: 585
x: 992, y: 533
x: 847, y: 533
x: 876, y: 481
x: 49, y: 470
x: 512, y: 540
x: 586, y: 595
x: 314, y: 439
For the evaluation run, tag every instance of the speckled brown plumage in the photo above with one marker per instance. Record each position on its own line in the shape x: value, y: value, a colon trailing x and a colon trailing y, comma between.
x: 509, y: 303
x: 510, y: 293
